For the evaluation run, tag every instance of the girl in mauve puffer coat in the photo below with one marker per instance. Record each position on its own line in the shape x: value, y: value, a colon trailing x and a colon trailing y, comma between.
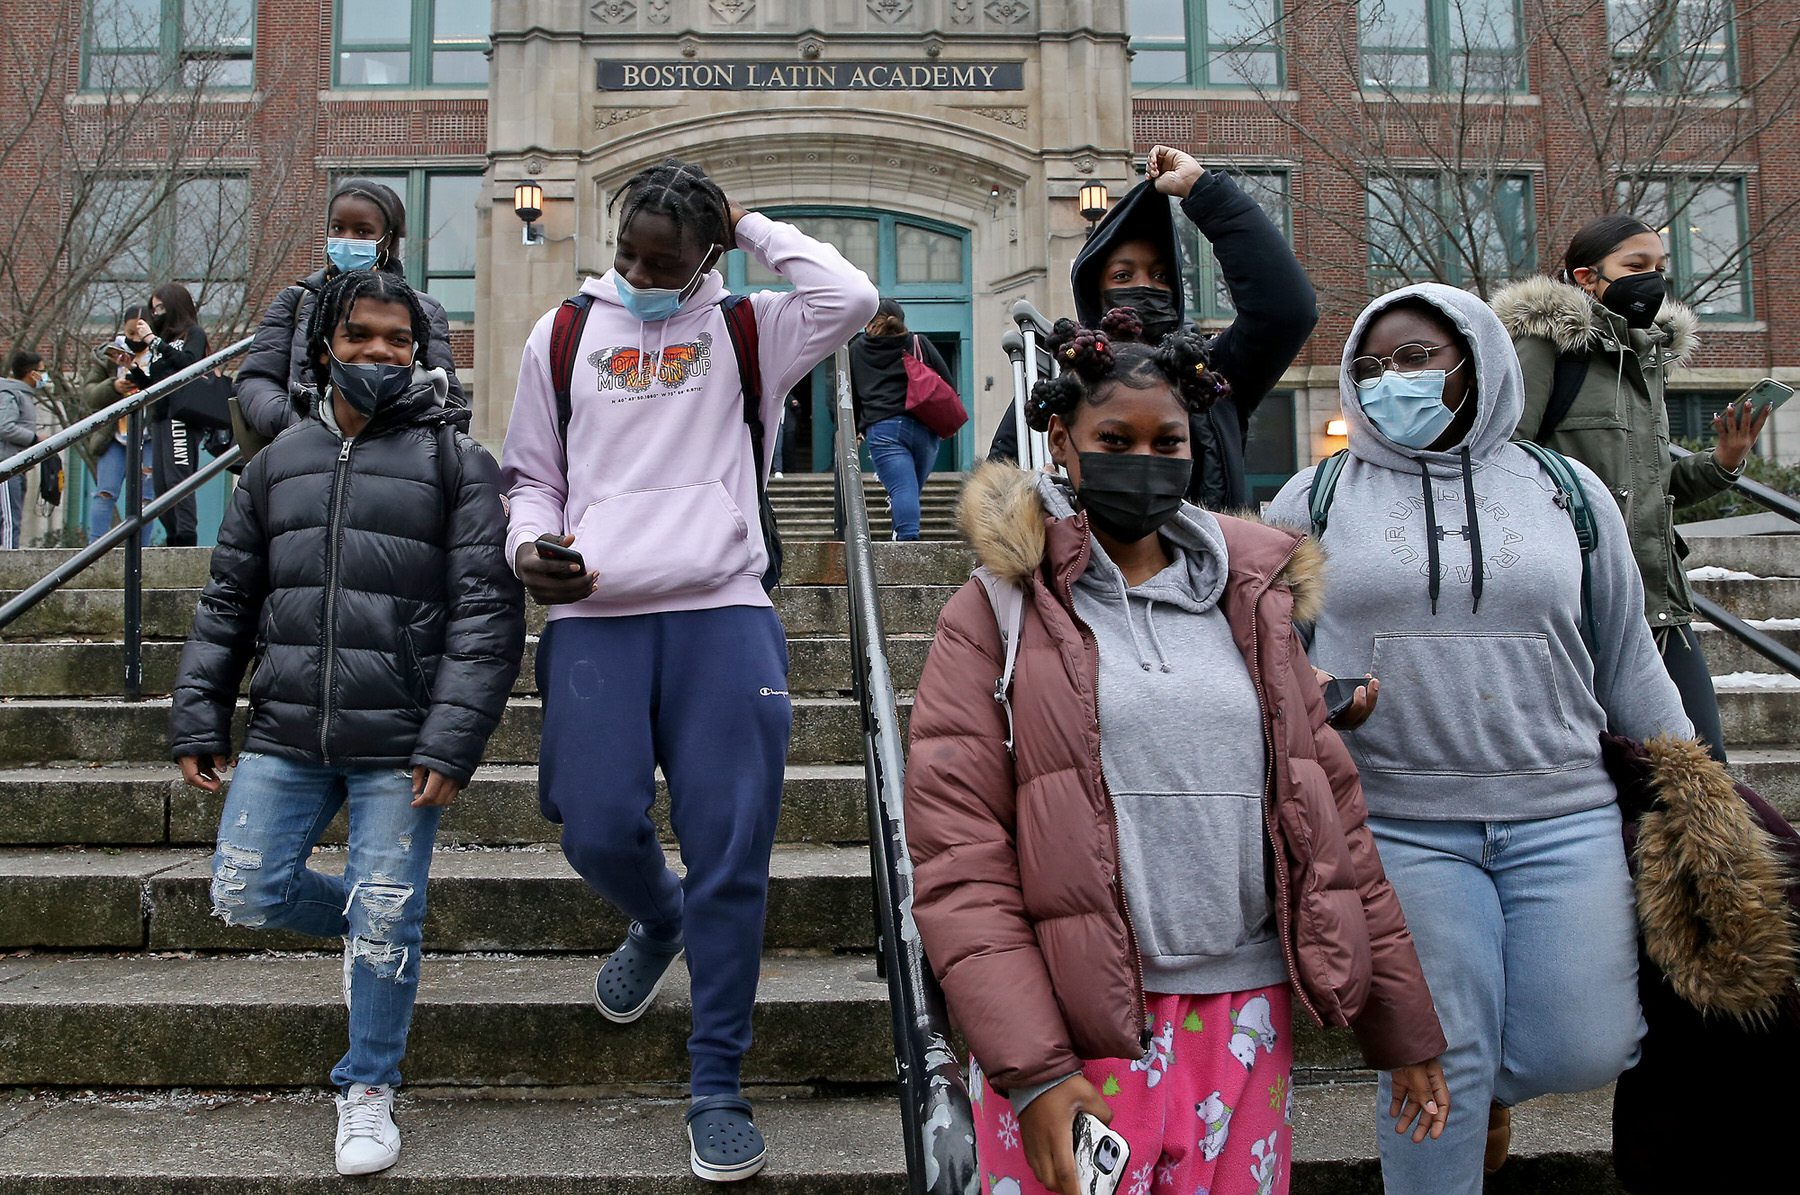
x: 1125, y: 903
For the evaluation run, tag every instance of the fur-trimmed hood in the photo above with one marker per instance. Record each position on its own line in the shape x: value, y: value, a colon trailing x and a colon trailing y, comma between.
x: 1005, y: 518
x: 1566, y: 317
x: 1713, y: 890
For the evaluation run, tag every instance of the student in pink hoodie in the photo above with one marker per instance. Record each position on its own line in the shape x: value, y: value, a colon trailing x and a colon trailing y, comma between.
x: 662, y: 648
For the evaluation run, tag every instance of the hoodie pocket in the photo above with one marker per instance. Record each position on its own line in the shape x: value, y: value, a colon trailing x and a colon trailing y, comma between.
x: 651, y: 543
x: 1469, y: 703
x: 1193, y: 866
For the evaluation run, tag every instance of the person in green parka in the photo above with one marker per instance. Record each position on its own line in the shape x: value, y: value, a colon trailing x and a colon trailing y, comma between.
x: 1605, y: 333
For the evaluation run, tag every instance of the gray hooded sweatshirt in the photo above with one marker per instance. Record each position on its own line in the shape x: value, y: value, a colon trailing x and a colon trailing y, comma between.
x: 1455, y: 578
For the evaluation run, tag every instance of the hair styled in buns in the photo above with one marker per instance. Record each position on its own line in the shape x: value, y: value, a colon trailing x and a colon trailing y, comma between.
x: 1092, y: 362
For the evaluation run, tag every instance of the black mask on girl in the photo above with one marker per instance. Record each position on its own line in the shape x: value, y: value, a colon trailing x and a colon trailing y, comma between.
x: 136, y: 346
x: 1155, y: 307
x: 1637, y: 297
x: 1131, y: 495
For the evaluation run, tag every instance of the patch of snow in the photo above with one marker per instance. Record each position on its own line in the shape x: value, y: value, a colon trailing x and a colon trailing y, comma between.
x: 1741, y: 682
x: 1713, y: 572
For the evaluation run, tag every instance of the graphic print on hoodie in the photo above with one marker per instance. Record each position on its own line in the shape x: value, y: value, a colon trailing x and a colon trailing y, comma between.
x: 1455, y: 577
x: 658, y: 487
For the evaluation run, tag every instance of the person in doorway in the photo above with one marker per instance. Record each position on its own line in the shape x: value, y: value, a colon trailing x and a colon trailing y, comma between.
x: 26, y: 378
x: 361, y: 570
x: 365, y: 228
x: 170, y: 329
x: 1504, y: 651
x: 1134, y: 260
x: 902, y: 448
x: 1596, y: 346
x: 663, y: 648
x: 1122, y: 929
x: 105, y: 383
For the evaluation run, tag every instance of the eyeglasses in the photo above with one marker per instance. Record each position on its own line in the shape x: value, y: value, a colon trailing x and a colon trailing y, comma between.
x: 1408, y: 360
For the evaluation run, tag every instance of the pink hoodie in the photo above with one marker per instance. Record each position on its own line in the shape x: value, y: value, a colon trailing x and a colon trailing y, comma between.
x: 658, y: 491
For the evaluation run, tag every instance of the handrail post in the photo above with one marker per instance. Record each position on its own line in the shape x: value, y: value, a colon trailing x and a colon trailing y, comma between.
x: 134, y: 556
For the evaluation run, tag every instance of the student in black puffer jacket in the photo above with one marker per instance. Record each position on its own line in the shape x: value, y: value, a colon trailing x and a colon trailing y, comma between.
x: 362, y: 573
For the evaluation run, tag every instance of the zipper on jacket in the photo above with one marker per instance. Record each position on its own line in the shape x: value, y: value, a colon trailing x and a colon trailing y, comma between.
x: 333, y: 536
x: 1283, y: 911
x: 1146, y: 1034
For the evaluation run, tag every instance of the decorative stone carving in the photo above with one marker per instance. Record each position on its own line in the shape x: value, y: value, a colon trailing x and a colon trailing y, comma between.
x: 732, y: 11
x: 659, y: 12
x: 1018, y: 118
x: 613, y: 12
x: 534, y: 165
x: 1007, y: 12
x: 1084, y: 164
x: 811, y: 48
x: 890, y: 11
x: 962, y: 12
x: 690, y: 48
x: 934, y: 47
x: 606, y: 118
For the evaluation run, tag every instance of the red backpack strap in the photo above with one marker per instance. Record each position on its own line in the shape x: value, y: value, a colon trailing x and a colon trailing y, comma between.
x: 740, y: 321
x: 565, y: 342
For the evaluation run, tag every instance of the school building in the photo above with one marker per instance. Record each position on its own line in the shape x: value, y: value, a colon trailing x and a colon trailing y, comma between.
x: 944, y: 145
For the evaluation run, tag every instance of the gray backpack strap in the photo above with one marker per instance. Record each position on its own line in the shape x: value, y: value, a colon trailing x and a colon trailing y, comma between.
x: 1008, y: 601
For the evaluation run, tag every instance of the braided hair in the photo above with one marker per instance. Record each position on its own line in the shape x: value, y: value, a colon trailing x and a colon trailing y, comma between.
x: 331, y: 310
x: 1093, y: 362
x: 393, y: 215
x: 682, y: 192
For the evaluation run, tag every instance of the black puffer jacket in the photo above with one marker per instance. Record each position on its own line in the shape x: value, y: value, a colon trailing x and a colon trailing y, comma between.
x: 368, y: 581
x: 274, y: 372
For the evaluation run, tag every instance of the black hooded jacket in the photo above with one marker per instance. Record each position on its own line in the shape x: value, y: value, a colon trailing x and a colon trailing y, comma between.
x: 1276, y: 311
x: 274, y: 371
x: 366, y: 580
x: 878, y: 374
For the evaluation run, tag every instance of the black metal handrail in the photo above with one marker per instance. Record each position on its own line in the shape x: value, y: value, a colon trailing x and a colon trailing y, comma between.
x: 938, y: 1126
x: 137, y: 515
x: 1764, y: 645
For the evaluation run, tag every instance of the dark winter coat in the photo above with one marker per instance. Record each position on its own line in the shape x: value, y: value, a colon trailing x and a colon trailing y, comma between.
x: 1018, y: 896
x: 274, y: 373
x: 1275, y: 304
x: 367, y: 582
x: 1717, y: 872
x: 878, y: 374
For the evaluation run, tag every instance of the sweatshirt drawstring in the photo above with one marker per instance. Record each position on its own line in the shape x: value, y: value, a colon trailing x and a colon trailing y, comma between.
x: 1475, y: 558
x: 1162, y: 656
x: 1431, y: 536
x: 1137, y: 645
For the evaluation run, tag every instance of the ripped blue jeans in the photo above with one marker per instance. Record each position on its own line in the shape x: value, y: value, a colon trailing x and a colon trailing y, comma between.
x: 275, y: 811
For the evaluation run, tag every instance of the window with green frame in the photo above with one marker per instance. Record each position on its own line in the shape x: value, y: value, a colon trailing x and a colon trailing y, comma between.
x: 142, y: 45
x: 410, y: 43
x: 905, y: 258
x: 1434, y: 227
x: 1409, y: 45
x: 1205, y: 43
x: 148, y: 234
x: 1678, y: 46
x: 1705, y: 223
x: 1208, y: 298
x: 441, y: 221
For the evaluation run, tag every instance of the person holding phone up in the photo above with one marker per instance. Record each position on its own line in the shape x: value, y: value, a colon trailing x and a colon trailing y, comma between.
x: 1596, y: 345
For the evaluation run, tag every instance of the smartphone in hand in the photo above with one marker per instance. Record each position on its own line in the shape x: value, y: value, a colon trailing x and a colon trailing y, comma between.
x: 549, y: 549
x: 1766, y: 393
x: 1340, y: 691
x: 1100, y: 1156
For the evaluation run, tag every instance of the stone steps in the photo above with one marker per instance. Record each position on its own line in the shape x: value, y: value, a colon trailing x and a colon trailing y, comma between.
x: 570, y: 1143
x: 518, y: 900
x: 1725, y: 654
x: 148, y: 805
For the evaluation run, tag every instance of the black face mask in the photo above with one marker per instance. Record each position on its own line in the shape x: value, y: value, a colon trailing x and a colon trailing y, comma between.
x: 136, y: 346
x: 1154, y: 306
x: 368, y: 387
x: 159, y: 323
x: 1131, y: 495
x: 1637, y: 297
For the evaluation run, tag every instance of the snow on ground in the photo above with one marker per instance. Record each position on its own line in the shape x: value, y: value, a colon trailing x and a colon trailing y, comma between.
x: 1746, y: 681
x: 1713, y: 572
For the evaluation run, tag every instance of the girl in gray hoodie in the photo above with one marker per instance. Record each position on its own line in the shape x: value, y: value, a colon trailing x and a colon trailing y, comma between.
x: 1456, y: 577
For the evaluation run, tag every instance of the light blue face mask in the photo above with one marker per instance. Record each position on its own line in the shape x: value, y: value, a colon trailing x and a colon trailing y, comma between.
x: 347, y: 253
x: 652, y: 304
x: 1409, y: 410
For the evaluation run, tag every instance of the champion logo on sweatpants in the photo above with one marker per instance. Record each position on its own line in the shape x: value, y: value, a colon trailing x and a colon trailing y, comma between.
x: 768, y: 692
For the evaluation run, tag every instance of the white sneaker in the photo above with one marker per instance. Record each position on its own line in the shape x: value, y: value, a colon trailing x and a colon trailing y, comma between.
x: 367, y: 1138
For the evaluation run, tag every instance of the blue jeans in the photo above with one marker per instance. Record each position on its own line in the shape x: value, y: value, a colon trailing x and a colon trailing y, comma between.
x: 903, y: 450
x: 275, y: 811
x: 1528, y: 936
x: 105, y: 507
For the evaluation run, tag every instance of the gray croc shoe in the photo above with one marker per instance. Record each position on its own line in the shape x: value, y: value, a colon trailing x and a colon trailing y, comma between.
x: 632, y: 975
x: 724, y: 1144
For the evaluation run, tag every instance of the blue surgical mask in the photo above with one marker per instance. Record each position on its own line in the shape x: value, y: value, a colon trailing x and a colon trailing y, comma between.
x: 368, y: 387
x: 1409, y: 410
x: 347, y: 253
x: 652, y: 304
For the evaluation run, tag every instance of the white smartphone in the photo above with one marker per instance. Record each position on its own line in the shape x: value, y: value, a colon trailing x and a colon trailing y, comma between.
x: 1766, y: 393
x: 1100, y: 1156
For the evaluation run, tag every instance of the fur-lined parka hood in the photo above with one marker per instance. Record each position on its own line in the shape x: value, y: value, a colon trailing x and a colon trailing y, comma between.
x: 1566, y: 317
x: 1004, y: 517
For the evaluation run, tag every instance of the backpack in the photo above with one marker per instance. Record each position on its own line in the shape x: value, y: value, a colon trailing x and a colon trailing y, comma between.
x: 740, y: 321
x: 929, y: 398
x: 1571, y: 372
x: 1569, y: 495
x: 1008, y: 601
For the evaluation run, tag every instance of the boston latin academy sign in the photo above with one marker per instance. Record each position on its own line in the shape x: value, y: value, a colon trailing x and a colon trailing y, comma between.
x: 616, y: 75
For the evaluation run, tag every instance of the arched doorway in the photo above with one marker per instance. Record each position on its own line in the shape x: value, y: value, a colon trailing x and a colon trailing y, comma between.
x: 925, y: 265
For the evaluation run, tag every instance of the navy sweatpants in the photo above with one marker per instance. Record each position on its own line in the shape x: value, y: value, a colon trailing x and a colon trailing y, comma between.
x: 701, y: 694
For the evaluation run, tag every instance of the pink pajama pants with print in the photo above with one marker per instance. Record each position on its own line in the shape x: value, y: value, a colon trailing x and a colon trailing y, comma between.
x: 1208, y: 1111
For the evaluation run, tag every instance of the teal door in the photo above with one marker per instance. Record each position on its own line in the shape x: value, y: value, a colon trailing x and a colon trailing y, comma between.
x: 924, y: 264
